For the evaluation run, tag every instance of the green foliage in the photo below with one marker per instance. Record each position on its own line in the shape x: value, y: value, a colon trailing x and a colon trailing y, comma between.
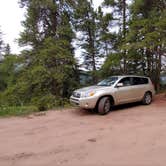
x: 49, y: 102
x: 86, y: 23
x: 140, y: 42
x: 6, y: 111
x: 119, y: 11
x: 7, y: 50
x: 146, y: 37
x: 1, y: 44
x: 45, y: 102
x: 44, y: 75
x: 111, y: 65
x: 8, y: 71
x: 95, y: 39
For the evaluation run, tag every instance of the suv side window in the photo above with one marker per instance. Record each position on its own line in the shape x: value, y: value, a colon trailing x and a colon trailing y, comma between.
x: 145, y: 81
x: 126, y: 81
x: 139, y: 81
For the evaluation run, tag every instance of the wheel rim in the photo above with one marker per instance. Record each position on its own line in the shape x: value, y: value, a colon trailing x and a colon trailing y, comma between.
x: 148, y: 99
x: 107, y: 106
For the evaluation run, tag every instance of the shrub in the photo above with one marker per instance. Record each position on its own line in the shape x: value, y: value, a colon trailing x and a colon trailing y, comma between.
x: 17, y: 110
x: 49, y: 102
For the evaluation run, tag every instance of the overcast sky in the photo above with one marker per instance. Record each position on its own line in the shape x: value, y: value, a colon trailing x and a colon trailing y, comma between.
x: 11, y: 16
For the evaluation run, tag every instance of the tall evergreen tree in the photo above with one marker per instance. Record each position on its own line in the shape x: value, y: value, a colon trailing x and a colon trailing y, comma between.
x: 47, y: 71
x: 7, y: 50
x: 107, y: 39
x: 7, y: 66
x: 146, y: 31
x: 1, y: 45
x: 119, y: 10
x: 2, y: 84
x: 85, y: 17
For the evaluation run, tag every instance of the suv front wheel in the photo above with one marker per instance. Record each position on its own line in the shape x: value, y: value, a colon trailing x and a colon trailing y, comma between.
x: 104, y: 105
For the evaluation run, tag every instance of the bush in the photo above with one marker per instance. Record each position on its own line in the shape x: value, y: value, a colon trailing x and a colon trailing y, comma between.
x: 16, y: 110
x: 49, y: 102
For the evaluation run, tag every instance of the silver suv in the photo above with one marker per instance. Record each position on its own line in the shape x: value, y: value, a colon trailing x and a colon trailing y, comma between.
x: 114, y: 90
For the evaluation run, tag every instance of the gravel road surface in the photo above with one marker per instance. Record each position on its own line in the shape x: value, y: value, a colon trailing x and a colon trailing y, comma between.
x: 131, y: 135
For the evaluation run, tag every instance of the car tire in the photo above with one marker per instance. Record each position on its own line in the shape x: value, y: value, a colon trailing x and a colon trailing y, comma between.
x: 147, y: 99
x: 104, y: 105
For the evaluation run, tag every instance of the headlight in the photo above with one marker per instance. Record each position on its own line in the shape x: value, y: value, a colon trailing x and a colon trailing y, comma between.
x: 88, y: 94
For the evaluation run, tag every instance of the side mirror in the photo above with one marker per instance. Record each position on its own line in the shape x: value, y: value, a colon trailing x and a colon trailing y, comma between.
x: 119, y: 85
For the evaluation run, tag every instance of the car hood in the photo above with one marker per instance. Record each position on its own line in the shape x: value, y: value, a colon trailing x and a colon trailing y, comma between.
x: 92, y: 88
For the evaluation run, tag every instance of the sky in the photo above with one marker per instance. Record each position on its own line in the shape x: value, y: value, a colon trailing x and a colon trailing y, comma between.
x: 10, y: 22
x: 11, y: 16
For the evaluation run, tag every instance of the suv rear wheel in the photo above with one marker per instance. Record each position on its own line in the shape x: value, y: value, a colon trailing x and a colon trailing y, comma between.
x: 147, y: 98
x: 104, y: 105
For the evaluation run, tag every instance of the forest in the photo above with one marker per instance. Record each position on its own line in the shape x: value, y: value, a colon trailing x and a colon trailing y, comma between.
x: 119, y: 37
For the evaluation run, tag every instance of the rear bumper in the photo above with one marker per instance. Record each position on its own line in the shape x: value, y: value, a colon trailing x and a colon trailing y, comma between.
x: 87, y: 103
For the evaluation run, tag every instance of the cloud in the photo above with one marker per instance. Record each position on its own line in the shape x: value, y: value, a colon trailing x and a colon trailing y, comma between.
x: 11, y: 16
x: 10, y: 22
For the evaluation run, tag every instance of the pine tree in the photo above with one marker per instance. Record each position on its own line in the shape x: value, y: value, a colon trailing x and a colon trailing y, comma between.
x: 146, y: 31
x: 1, y: 45
x: 119, y: 11
x: 8, y: 74
x: 47, y: 74
x: 107, y: 39
x: 7, y: 50
x: 86, y: 25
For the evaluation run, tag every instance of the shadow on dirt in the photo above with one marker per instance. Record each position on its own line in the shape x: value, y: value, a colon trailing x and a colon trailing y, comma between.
x: 126, y: 106
x: 84, y: 112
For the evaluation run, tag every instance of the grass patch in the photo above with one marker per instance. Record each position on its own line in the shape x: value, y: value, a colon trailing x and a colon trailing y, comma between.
x: 17, y: 111
x: 161, y: 91
x: 61, y: 108
x: 8, y: 111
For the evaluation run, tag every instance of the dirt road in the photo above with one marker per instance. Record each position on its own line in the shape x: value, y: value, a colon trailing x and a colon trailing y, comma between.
x: 133, y: 135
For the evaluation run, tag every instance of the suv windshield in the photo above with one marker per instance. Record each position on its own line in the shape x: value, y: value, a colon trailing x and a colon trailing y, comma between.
x: 108, y: 82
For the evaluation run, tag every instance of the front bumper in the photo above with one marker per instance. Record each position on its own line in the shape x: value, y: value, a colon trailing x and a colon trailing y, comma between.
x: 87, y: 103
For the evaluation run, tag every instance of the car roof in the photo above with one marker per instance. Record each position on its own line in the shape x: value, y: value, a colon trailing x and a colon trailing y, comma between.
x: 122, y: 76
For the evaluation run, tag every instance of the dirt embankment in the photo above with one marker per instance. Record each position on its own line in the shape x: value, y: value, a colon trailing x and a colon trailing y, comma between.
x: 132, y: 135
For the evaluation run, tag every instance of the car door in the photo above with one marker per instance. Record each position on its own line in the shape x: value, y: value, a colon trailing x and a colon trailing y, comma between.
x: 124, y: 93
x: 139, y: 87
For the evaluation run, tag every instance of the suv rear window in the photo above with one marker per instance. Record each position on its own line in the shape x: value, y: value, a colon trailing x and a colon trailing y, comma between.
x: 140, y: 81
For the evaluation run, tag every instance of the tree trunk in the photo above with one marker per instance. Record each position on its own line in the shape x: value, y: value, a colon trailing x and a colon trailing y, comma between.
x: 158, y: 69
x: 124, y: 35
x: 148, y: 55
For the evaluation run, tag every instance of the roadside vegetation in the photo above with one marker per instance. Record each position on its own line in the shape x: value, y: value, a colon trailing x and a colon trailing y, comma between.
x: 7, y: 111
x: 127, y: 36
